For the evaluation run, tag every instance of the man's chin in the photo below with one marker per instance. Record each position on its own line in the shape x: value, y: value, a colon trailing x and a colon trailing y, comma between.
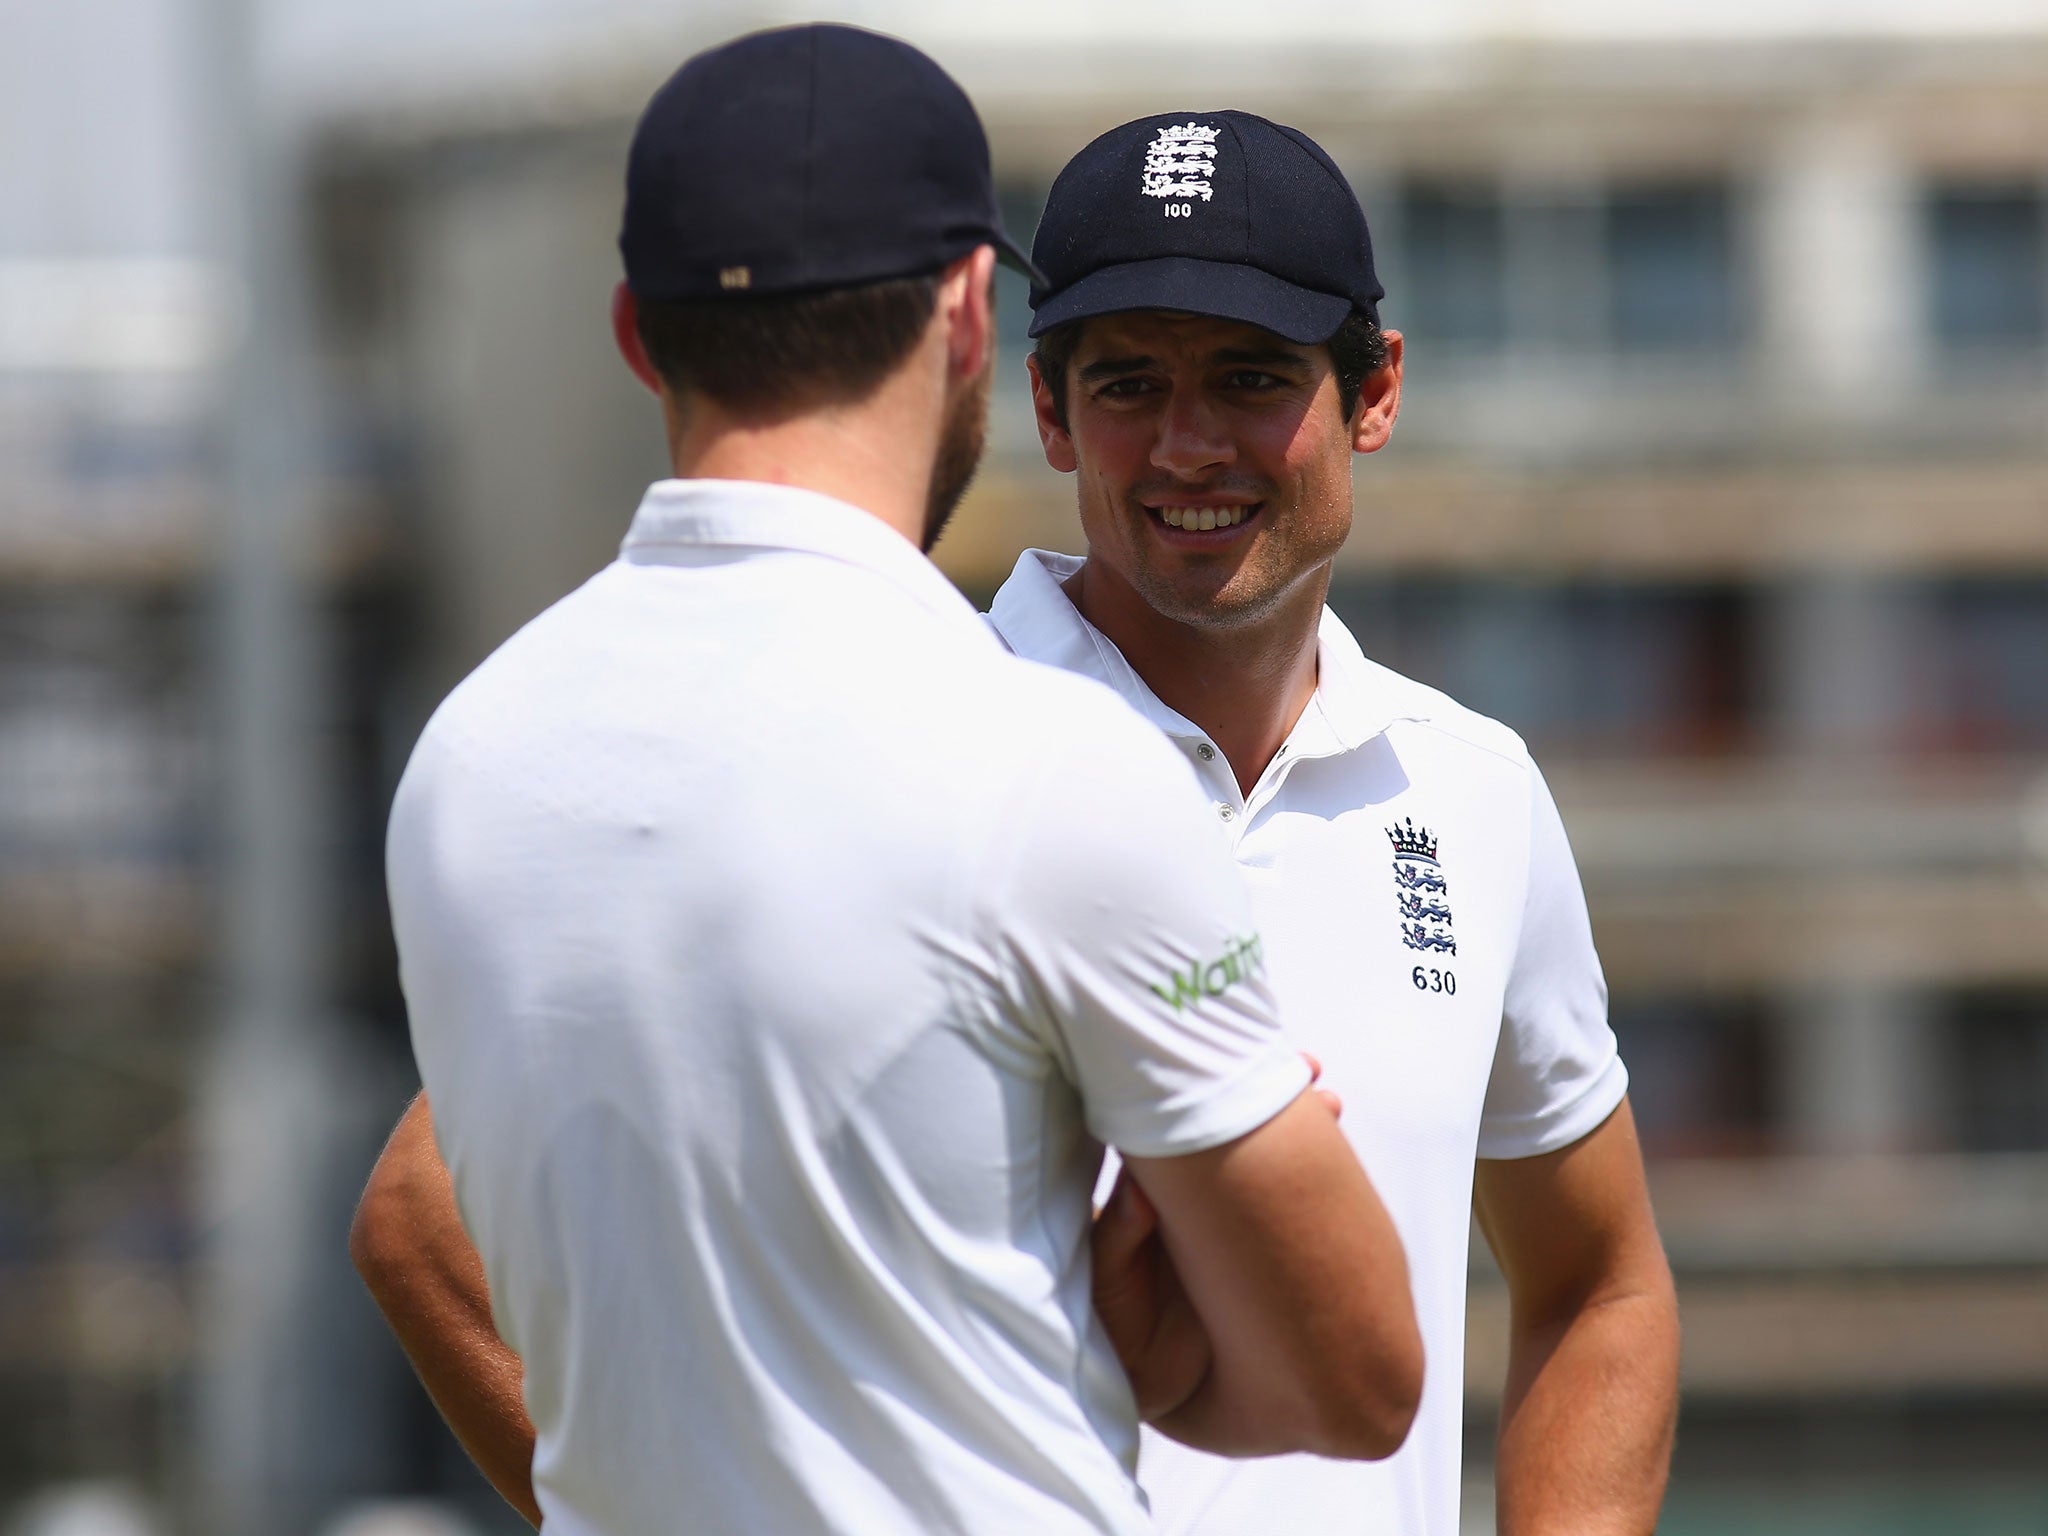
x: 1219, y: 603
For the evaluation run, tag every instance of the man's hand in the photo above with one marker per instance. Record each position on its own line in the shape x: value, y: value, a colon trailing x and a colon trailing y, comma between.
x: 1144, y: 1308
x: 410, y: 1247
x: 1327, y: 1096
x: 1153, y: 1327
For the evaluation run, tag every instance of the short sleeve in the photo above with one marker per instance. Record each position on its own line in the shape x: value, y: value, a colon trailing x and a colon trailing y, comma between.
x: 1129, y: 949
x: 1557, y: 1071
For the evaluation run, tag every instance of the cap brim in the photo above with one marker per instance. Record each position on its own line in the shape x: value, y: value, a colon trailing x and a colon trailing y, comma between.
x: 1011, y: 255
x: 1226, y: 290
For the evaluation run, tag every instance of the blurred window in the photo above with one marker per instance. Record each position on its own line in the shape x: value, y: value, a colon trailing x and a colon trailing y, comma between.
x: 1700, y: 1073
x: 1671, y: 269
x: 99, y: 732
x: 1985, y: 686
x: 1010, y: 419
x: 1021, y: 205
x: 1454, y: 243
x: 1988, y: 248
x: 1580, y: 668
x: 1998, y: 1072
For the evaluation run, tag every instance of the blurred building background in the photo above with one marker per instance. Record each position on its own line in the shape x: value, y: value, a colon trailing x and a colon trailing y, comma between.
x: 1722, y: 476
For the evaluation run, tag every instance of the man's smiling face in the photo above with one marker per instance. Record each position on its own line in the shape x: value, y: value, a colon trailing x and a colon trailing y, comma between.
x: 1213, y: 461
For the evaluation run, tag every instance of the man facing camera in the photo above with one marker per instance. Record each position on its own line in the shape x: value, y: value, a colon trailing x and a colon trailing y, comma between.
x: 1209, y: 361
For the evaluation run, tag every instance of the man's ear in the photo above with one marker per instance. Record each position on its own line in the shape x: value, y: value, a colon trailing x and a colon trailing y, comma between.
x: 968, y: 305
x: 626, y: 333
x: 1057, y: 441
x: 1379, y: 402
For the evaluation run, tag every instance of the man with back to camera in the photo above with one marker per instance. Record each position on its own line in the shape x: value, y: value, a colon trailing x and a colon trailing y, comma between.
x: 1208, y: 360
x: 774, y: 991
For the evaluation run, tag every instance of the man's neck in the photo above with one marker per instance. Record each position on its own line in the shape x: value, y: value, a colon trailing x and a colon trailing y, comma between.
x: 876, y: 456
x: 1245, y: 686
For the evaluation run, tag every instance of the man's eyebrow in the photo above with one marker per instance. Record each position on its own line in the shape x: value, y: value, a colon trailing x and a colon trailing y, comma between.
x: 1111, y: 367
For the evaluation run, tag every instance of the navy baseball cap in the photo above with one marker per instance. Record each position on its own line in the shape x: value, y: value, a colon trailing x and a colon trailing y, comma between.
x: 805, y: 158
x: 1209, y: 213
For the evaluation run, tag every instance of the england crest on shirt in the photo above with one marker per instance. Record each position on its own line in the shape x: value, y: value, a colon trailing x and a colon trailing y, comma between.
x: 1421, y: 891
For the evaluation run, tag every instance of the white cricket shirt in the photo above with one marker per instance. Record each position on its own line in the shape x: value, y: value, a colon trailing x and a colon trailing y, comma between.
x: 779, y: 951
x: 1428, y: 940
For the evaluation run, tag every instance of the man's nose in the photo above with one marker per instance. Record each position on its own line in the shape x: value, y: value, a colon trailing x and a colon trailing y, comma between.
x: 1191, y: 435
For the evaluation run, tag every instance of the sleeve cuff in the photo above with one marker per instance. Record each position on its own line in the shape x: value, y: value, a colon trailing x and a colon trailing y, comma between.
x: 1560, y: 1124
x: 1267, y: 1086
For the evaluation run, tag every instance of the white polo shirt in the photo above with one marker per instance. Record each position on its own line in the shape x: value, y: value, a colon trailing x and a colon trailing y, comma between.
x: 1428, y: 940
x: 779, y: 951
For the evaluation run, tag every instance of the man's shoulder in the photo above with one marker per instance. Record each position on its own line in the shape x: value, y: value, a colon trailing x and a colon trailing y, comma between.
x: 1413, y: 705
x: 1057, y: 705
x: 512, y: 681
x: 564, y: 674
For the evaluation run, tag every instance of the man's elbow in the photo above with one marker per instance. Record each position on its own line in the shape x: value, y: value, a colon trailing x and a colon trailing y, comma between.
x: 1368, y: 1414
x: 1388, y: 1410
x: 376, y: 1237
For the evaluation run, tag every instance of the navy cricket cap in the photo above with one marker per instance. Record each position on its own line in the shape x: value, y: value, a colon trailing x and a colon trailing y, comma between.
x: 1210, y: 213
x: 805, y: 158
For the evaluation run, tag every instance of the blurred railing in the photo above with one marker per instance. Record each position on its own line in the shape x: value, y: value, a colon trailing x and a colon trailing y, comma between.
x: 1807, y: 1277
x: 1775, y: 873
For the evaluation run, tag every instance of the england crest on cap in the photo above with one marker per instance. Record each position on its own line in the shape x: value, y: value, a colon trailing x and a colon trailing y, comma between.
x: 1182, y: 162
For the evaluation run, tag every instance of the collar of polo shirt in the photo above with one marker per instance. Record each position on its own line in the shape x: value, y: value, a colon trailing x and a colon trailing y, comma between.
x: 676, y: 518
x: 1033, y: 613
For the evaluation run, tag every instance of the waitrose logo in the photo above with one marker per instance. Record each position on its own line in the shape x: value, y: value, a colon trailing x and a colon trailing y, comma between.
x: 1240, y: 958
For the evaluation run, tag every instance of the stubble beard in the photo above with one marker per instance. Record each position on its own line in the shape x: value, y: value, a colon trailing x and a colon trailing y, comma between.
x: 962, y: 439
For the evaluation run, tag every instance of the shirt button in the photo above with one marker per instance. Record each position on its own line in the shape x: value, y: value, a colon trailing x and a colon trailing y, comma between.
x: 1226, y: 813
x: 1205, y: 752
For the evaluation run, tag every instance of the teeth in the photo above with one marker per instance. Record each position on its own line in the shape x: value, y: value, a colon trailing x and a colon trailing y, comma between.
x: 1203, y: 519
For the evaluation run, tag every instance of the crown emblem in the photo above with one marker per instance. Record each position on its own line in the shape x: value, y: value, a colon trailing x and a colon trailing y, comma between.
x: 1180, y: 160
x: 1411, y: 841
x: 1421, y: 896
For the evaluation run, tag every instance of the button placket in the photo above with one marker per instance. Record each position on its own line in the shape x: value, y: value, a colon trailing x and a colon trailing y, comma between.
x: 1211, y: 768
x: 1286, y: 758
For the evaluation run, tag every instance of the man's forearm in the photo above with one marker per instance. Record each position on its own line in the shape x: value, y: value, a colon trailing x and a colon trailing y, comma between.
x: 413, y: 1253
x: 1588, y: 1419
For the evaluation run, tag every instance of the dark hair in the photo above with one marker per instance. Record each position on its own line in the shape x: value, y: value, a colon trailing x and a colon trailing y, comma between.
x: 766, y: 355
x: 1357, y: 351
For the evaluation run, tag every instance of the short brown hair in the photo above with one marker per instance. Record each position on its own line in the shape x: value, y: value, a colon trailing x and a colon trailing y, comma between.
x: 1357, y: 350
x: 764, y: 355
